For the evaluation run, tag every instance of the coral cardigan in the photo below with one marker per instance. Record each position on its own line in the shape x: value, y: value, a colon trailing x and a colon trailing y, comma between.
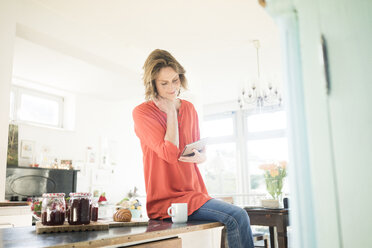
x: 168, y: 180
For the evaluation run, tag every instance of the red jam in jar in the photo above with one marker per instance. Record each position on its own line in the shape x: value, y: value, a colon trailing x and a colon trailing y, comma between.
x: 94, y: 210
x: 79, y: 208
x: 53, y: 209
x: 94, y: 214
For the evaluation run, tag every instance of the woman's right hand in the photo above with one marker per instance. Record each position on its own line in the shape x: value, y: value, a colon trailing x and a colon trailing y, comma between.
x: 165, y: 105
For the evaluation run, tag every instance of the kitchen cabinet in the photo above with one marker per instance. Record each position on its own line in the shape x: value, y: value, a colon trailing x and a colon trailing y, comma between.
x: 15, y: 216
x: 168, y: 243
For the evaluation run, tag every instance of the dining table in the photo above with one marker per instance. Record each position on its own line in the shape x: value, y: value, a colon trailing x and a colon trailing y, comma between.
x: 274, y: 218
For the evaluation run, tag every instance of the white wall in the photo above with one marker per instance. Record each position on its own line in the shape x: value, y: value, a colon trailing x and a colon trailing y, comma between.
x: 7, y: 36
x: 96, y: 119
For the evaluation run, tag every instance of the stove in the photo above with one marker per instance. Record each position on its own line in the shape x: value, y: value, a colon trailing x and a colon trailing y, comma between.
x: 25, y: 182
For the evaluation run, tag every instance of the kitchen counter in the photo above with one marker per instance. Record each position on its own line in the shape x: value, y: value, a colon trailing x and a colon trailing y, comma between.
x: 156, y: 230
x: 15, y: 214
x: 13, y: 204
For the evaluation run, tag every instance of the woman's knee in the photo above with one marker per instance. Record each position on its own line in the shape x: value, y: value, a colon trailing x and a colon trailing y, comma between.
x: 232, y: 223
x: 242, y: 217
x: 238, y: 218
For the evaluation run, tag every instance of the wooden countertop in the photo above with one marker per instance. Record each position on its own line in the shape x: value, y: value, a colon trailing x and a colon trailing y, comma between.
x: 13, y: 204
x: 27, y: 237
x: 261, y: 210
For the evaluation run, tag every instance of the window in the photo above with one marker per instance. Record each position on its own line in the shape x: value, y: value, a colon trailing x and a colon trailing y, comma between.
x: 266, y: 142
x: 264, y: 151
x: 220, y: 169
x: 239, y: 142
x: 266, y: 121
x: 222, y: 126
x: 34, y: 107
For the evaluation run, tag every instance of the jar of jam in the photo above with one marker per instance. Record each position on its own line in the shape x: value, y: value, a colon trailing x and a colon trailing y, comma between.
x: 79, y: 208
x: 94, y: 210
x: 53, y: 209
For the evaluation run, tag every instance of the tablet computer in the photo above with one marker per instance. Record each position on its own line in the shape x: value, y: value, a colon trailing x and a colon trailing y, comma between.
x: 198, y: 145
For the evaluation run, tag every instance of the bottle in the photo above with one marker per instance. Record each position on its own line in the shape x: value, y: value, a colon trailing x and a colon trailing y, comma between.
x: 79, y: 208
x: 53, y: 209
x: 94, y: 210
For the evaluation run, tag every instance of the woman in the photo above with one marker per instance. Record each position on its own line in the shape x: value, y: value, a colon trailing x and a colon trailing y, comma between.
x: 164, y: 125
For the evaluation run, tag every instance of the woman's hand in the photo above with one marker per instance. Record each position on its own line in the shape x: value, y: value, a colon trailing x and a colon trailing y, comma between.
x: 169, y: 107
x: 165, y: 105
x: 199, y: 157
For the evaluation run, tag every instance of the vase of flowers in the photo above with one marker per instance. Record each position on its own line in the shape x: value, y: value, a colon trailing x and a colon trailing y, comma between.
x: 274, y: 174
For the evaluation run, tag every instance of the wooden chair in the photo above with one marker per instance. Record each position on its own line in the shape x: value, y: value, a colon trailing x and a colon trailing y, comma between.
x: 256, y: 237
x: 261, y: 236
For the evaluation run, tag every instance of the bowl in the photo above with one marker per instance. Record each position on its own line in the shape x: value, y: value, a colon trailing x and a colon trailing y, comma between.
x: 270, y: 203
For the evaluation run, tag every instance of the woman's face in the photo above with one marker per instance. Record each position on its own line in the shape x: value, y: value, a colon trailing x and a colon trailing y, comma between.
x: 168, y: 83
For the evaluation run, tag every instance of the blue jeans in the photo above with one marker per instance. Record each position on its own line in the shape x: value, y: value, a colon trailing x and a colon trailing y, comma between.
x: 235, y: 219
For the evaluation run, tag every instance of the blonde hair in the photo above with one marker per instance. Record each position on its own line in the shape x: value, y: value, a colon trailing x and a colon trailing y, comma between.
x: 157, y: 60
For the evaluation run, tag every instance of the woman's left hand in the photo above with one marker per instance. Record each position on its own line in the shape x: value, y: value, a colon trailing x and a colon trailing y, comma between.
x: 199, y: 157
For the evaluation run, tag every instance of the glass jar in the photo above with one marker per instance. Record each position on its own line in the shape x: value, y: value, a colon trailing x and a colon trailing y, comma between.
x: 94, y: 210
x: 53, y: 209
x: 79, y: 208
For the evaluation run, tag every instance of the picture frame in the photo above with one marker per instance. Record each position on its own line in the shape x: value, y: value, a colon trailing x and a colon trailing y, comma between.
x: 91, y: 156
x: 27, y: 149
x: 112, y: 152
x: 12, y: 154
x: 108, y: 153
x: 104, y: 156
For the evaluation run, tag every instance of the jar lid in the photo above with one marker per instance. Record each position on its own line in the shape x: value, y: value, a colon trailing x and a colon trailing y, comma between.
x: 53, y: 195
x: 81, y: 194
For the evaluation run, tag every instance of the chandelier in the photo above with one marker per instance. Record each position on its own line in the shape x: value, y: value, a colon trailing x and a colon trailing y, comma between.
x: 259, y: 93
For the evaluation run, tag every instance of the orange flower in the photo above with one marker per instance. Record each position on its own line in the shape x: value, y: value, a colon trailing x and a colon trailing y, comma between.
x: 274, y: 172
x: 283, y: 164
x: 267, y: 166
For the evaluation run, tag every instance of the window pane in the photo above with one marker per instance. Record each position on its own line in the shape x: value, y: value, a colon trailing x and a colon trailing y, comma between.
x: 39, y: 110
x: 11, y: 112
x: 218, y: 127
x: 219, y: 171
x: 266, y: 121
x: 264, y: 151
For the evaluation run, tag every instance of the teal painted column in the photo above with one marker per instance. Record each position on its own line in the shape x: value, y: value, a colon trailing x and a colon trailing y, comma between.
x: 302, y: 211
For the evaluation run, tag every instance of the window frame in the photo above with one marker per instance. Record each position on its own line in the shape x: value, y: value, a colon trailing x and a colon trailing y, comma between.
x: 261, y: 135
x: 226, y: 139
x: 19, y: 91
x: 241, y: 137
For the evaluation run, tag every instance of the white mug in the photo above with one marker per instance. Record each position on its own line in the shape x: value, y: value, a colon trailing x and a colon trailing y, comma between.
x: 178, y: 212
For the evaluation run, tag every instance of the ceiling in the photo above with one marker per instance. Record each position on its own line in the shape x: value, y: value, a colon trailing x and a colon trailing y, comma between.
x: 98, y: 47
